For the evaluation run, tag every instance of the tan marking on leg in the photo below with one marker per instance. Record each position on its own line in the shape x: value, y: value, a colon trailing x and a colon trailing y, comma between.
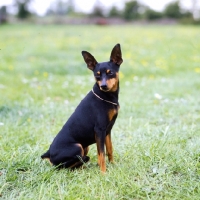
x: 100, y: 157
x: 98, y: 151
x: 82, y: 151
x: 109, y: 149
x: 86, y: 149
x: 102, y: 162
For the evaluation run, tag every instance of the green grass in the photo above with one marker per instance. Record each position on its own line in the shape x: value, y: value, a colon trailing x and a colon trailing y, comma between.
x: 157, y: 134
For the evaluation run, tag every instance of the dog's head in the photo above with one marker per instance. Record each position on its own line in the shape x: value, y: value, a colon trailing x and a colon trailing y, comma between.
x: 106, y: 73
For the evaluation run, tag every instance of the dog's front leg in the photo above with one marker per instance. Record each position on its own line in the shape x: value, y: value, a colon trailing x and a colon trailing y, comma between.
x: 109, y: 149
x: 100, y: 140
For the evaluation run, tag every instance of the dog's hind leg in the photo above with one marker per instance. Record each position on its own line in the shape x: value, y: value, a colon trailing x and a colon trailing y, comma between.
x: 72, y: 157
x: 76, y: 162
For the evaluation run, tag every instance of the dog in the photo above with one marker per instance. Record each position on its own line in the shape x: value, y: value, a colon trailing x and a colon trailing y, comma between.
x: 93, y: 118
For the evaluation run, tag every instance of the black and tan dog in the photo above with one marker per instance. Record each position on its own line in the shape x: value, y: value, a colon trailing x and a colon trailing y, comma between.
x: 92, y: 120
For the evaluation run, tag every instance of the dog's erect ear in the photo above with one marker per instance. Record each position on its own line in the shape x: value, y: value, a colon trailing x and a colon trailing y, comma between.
x: 116, y: 55
x: 89, y: 59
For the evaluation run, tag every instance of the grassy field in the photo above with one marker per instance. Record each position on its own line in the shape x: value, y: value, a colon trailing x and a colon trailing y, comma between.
x: 157, y: 134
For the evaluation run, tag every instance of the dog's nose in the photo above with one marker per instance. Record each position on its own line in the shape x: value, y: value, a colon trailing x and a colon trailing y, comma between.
x: 104, y: 87
x: 103, y: 84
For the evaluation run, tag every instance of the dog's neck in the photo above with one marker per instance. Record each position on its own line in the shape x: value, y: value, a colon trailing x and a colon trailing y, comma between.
x: 109, y: 96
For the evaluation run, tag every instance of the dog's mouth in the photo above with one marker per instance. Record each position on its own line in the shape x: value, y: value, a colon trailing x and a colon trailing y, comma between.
x: 104, y: 89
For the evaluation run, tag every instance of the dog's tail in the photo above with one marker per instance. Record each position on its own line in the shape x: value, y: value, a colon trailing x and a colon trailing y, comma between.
x: 46, y: 155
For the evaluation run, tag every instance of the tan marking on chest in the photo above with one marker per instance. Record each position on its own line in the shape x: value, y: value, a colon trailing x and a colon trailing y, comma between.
x: 112, y: 113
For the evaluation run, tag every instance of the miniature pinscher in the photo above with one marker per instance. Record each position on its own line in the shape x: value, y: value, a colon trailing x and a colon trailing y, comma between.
x: 92, y: 120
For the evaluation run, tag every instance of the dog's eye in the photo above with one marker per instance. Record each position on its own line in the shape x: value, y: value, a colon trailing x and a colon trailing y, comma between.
x: 97, y: 76
x: 110, y: 73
